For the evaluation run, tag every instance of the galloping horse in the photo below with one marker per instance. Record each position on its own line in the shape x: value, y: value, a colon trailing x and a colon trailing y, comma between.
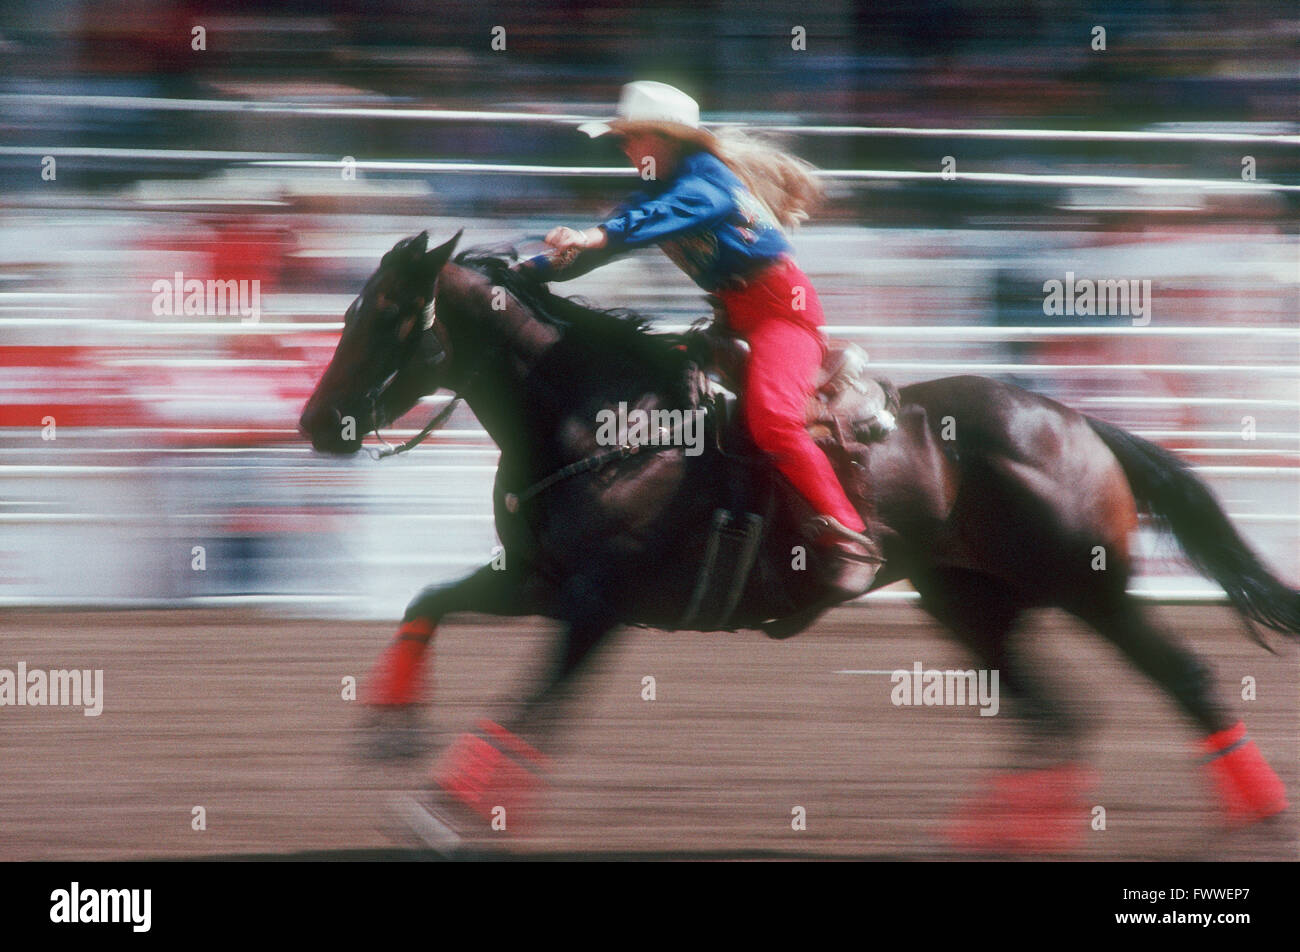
x: 989, y: 499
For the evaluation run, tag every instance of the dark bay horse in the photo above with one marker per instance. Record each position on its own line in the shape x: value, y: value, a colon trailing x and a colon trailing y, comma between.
x: 989, y: 499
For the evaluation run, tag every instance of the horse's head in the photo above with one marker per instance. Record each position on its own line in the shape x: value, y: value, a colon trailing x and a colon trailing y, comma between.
x: 391, y: 353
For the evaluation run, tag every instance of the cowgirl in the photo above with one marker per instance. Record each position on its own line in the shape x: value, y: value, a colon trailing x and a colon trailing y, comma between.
x: 717, y: 207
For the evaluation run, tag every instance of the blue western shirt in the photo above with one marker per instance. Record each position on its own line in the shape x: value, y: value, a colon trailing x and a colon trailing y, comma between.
x: 704, y: 218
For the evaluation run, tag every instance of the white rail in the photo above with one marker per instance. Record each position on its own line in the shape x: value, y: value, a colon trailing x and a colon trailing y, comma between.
x: 411, y: 166
x: 9, y: 299
x: 410, y: 114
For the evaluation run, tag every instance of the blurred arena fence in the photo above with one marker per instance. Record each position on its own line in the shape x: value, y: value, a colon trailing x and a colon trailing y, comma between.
x: 151, y: 495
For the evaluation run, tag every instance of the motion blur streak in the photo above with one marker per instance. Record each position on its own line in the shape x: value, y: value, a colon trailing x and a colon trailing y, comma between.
x: 150, y: 458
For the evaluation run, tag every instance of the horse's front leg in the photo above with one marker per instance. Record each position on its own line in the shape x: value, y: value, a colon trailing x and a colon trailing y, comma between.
x: 496, y: 772
x: 590, y: 620
x: 394, y: 684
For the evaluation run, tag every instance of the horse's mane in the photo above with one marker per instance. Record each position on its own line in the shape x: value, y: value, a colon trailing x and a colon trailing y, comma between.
x: 606, y: 332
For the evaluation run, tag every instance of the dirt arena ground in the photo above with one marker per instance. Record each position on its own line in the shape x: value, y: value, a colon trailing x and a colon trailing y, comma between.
x: 242, y: 714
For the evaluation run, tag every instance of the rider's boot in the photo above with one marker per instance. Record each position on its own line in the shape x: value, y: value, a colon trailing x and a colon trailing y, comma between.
x: 852, y: 558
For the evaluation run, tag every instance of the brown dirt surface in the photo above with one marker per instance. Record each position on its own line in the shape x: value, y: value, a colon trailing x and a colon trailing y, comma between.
x: 242, y: 714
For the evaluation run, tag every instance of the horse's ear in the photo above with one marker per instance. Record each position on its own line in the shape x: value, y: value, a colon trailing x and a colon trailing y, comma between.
x: 406, y: 251
x: 434, y: 260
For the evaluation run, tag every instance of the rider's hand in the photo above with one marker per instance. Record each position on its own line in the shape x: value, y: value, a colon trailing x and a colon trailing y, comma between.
x: 535, y: 268
x: 564, y: 239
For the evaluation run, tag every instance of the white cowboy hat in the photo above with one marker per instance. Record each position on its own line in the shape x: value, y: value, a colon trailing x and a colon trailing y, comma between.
x: 652, y: 107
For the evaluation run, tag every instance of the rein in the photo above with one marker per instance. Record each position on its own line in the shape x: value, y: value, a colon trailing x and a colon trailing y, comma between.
x: 439, y: 419
x: 390, y: 450
x: 442, y: 417
x: 514, y: 500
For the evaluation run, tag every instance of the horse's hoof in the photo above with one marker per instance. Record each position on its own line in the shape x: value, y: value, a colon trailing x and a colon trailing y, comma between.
x: 1018, y: 831
x: 494, y: 778
x: 422, y: 819
x: 394, y: 733
x: 1026, y: 812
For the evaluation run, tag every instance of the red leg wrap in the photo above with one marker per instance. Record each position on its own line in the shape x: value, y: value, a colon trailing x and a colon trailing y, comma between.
x: 494, y: 777
x: 396, y: 678
x: 1248, y: 788
x: 1034, y: 811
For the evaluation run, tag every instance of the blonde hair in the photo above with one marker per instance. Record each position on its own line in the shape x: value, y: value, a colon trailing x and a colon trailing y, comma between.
x: 785, y: 184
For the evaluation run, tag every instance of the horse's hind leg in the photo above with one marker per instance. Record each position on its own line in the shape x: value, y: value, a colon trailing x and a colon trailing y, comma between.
x: 1248, y: 788
x: 1176, y: 669
x: 1023, y: 811
x: 983, y: 612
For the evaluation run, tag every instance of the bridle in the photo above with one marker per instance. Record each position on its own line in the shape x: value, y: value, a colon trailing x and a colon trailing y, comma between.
x: 389, y: 449
x: 377, y: 393
x: 513, y: 501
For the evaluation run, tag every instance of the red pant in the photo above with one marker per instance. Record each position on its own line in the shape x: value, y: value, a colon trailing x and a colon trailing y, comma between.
x: 778, y: 314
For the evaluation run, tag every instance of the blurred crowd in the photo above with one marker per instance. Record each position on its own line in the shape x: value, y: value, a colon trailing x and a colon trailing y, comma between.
x: 172, y: 431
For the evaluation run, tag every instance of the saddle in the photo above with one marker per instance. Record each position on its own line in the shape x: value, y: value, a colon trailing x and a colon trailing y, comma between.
x: 849, y: 407
x: 847, y: 412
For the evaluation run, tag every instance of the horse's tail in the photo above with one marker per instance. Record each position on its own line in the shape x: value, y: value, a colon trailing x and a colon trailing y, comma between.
x: 1166, y: 488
